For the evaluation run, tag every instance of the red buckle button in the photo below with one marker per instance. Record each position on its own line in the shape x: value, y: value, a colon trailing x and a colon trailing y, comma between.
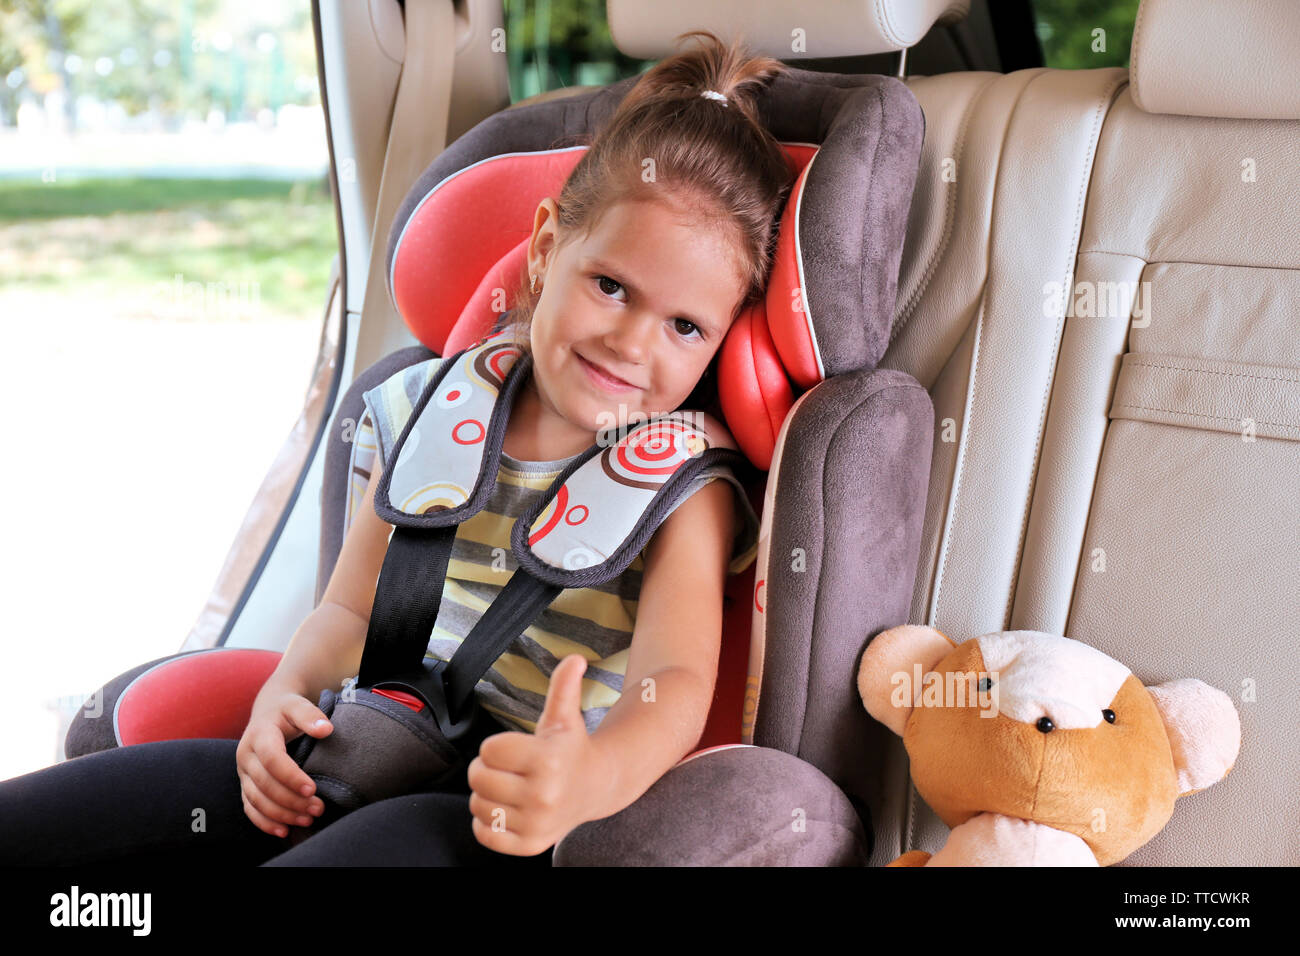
x: 402, y: 697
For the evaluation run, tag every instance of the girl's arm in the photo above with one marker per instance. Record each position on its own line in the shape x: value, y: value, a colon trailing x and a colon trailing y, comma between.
x: 327, y: 646
x: 673, y: 662
x: 324, y: 650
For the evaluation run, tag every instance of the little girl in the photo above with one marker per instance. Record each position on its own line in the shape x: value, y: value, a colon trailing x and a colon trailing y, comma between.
x: 661, y: 236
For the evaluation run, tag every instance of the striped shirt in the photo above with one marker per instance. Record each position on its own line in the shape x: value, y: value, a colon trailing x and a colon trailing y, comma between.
x: 596, y: 622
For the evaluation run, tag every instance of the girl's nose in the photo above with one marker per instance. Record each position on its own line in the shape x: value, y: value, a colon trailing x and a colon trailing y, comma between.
x: 631, y: 338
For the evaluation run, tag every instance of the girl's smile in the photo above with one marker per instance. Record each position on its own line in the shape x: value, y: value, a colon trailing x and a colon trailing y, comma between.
x: 605, y: 380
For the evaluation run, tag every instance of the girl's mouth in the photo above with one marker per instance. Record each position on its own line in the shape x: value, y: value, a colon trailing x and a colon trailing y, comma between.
x: 603, y: 379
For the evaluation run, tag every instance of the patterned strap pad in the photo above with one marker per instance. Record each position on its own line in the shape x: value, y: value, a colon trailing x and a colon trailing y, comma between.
x: 444, y: 462
x: 600, y: 511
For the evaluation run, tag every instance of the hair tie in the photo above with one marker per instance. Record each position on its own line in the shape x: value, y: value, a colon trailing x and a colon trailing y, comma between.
x: 715, y: 95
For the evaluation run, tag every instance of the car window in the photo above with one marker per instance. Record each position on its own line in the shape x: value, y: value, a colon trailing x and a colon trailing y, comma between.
x: 1085, y: 34
x: 557, y: 43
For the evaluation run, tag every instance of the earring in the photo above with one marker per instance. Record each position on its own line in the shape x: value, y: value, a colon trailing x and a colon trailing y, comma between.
x: 533, y: 287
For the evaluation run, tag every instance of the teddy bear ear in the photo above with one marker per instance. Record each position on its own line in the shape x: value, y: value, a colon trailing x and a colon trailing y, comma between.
x: 889, y: 663
x: 1204, y: 731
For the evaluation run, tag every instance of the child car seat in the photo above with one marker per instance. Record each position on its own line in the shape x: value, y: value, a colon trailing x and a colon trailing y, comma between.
x: 841, y: 513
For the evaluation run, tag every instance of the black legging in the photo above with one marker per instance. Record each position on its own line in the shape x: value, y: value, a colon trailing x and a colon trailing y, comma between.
x: 139, y: 804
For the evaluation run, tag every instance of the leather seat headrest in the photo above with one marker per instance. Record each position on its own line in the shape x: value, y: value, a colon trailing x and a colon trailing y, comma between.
x: 785, y: 29
x: 1236, y: 60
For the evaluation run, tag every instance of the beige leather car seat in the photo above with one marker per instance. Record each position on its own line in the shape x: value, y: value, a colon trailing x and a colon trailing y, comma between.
x: 1128, y: 473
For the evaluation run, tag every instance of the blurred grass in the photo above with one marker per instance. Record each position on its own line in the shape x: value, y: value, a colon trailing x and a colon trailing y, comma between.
x: 126, y: 237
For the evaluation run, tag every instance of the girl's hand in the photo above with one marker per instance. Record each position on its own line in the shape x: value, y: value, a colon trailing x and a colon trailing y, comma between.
x: 277, y: 792
x: 529, y: 790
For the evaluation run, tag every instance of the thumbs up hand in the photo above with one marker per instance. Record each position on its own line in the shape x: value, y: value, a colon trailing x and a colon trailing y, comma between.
x: 528, y: 790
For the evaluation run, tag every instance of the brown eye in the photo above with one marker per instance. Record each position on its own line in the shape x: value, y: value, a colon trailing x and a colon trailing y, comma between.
x: 691, y: 326
x: 601, y: 280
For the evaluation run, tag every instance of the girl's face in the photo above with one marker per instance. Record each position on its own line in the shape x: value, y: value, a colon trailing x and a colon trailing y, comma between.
x: 629, y: 315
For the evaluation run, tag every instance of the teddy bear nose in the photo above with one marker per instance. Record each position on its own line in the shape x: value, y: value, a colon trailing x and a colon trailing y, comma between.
x: 1045, y: 725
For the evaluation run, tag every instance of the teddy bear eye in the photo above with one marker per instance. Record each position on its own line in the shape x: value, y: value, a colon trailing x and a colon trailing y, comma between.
x: 1045, y: 725
x: 1109, y: 715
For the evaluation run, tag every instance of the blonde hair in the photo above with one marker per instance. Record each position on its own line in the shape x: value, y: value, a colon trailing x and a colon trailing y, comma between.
x: 717, y: 158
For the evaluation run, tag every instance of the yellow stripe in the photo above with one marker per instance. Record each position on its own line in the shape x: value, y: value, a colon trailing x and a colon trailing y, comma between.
x: 537, y: 482
x: 604, y: 610
x: 580, y: 605
x: 487, y: 527
x: 741, y: 561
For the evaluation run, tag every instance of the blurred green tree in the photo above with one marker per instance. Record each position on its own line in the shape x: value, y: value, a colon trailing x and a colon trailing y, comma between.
x: 179, y: 58
x: 557, y: 43
x: 1067, y: 29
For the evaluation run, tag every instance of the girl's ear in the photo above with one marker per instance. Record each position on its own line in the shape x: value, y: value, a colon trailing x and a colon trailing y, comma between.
x: 541, y: 246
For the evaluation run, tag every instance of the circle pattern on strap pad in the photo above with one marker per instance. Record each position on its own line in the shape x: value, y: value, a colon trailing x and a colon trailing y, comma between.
x: 600, y: 505
x: 439, y: 462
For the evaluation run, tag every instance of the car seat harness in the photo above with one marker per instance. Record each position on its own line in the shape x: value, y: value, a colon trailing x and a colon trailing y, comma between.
x: 410, y: 723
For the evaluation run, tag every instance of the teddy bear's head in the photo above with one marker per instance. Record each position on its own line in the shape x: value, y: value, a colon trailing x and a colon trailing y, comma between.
x: 1044, y: 728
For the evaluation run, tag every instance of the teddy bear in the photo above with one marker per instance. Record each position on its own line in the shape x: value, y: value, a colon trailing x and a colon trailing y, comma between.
x: 1039, y: 750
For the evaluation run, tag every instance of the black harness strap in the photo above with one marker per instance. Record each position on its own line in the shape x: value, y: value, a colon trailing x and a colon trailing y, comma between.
x: 520, y: 602
x: 407, y: 598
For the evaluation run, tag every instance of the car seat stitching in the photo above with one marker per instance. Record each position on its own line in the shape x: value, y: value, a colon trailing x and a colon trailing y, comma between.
x: 817, y: 602
x: 887, y: 28
x: 1073, y: 601
x: 1221, y: 418
x: 950, y: 207
x: 1185, y: 262
x: 1133, y: 73
x: 1211, y: 371
x: 771, y: 489
x: 954, y: 493
x: 959, y: 468
x: 875, y: 172
x: 1099, y: 113
x: 808, y: 326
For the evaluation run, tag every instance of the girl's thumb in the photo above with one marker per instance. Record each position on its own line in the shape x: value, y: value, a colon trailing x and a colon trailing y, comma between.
x: 563, y: 707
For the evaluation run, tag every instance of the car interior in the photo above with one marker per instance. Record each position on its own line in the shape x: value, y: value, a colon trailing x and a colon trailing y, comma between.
x: 1094, y: 284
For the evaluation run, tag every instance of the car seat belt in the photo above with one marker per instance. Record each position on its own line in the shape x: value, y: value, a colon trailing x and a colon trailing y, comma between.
x: 622, y: 498
x: 407, y: 599
x: 416, y: 135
